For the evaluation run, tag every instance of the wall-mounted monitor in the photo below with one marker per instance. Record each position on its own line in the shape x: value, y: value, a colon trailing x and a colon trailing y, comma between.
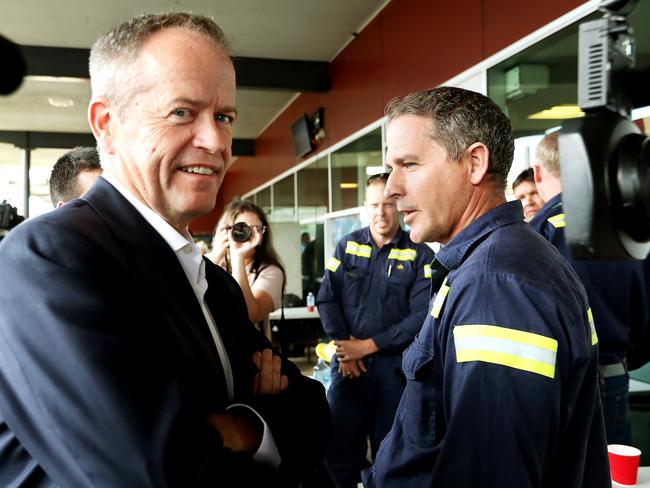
x: 301, y: 136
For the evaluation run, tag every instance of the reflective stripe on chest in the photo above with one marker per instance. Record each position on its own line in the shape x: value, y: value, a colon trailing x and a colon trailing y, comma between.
x: 592, y: 325
x: 439, y: 301
x: 333, y: 264
x: 356, y: 249
x: 407, y: 254
x: 557, y: 221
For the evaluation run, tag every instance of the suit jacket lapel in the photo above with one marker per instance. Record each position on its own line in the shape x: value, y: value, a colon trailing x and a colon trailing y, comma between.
x: 155, y: 263
x: 222, y: 304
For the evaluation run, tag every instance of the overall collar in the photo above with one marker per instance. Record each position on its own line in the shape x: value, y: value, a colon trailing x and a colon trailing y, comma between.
x: 453, y: 253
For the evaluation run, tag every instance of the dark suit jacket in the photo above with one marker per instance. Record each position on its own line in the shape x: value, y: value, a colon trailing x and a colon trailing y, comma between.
x: 108, y: 370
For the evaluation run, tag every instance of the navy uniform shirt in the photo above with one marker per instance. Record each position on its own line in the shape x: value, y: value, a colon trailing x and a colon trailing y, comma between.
x: 375, y: 293
x: 615, y: 288
x: 502, y: 385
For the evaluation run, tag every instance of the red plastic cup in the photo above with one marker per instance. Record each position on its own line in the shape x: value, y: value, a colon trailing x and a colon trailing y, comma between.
x: 624, y: 463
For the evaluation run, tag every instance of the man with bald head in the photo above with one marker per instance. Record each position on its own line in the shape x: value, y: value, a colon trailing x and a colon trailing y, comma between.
x: 126, y: 359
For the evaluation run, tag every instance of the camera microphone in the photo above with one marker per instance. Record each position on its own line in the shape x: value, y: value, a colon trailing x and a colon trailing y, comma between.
x: 14, y: 66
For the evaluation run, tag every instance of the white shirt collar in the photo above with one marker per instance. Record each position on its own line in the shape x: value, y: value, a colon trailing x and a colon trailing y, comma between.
x: 186, y: 250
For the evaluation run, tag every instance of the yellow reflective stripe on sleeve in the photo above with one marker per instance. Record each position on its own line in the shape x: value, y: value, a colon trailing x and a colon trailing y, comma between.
x: 557, y: 221
x: 594, y: 336
x: 507, y: 347
x: 407, y: 254
x: 333, y: 264
x: 361, y: 250
x: 439, y: 301
x: 427, y: 271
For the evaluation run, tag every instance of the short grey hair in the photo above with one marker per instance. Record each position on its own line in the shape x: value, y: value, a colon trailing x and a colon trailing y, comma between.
x: 547, y: 153
x: 113, y: 56
x: 459, y: 118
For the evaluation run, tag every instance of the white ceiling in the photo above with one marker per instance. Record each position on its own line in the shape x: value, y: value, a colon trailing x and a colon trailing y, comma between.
x: 311, y: 30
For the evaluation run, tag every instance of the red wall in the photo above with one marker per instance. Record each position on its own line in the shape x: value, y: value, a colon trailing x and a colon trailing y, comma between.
x: 410, y: 45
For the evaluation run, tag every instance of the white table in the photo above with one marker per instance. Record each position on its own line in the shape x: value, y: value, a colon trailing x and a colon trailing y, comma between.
x: 637, y: 386
x: 294, y: 313
x: 643, y: 479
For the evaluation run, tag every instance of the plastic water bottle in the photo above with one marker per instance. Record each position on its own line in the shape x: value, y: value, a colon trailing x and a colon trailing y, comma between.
x: 322, y: 373
x: 311, y: 302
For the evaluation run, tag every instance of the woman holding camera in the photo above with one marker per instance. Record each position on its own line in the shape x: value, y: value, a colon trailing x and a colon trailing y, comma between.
x: 243, y: 246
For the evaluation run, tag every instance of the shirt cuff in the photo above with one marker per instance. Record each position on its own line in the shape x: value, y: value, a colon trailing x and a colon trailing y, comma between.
x: 267, y: 453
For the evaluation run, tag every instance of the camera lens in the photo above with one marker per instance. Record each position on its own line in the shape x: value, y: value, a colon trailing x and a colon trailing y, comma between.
x: 241, y: 232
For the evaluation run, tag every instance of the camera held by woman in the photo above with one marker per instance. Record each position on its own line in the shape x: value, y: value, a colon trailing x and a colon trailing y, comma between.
x: 243, y: 246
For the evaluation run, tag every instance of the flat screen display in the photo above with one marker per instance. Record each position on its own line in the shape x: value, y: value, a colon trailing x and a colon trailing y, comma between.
x: 300, y: 136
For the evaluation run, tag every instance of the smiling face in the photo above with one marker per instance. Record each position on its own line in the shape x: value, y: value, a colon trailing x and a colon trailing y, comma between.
x: 171, y: 144
x: 432, y: 191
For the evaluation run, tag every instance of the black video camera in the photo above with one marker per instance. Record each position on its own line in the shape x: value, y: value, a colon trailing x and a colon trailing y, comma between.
x: 605, y: 159
x: 9, y: 217
x: 13, y: 66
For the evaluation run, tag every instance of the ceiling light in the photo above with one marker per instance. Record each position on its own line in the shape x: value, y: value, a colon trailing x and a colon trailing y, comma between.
x: 558, y: 112
x: 641, y: 113
x: 374, y: 170
x: 348, y: 186
x: 56, y: 79
x: 60, y: 102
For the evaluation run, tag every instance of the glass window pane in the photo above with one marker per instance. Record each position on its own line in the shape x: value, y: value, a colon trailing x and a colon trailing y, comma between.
x: 351, y: 166
x: 42, y: 162
x: 339, y: 227
x: 538, y: 87
x: 12, y: 180
x: 284, y: 209
x: 312, y: 191
x: 264, y: 200
x: 537, y: 79
x: 312, y: 256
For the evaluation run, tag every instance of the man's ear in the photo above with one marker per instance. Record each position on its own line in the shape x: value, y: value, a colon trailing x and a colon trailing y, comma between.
x: 537, y: 174
x: 100, y: 116
x: 479, y: 158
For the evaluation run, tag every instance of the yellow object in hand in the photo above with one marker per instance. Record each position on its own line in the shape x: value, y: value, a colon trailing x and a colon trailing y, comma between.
x: 325, y: 351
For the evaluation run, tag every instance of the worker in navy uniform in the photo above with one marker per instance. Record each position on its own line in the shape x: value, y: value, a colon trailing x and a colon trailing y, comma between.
x: 502, y: 385
x: 615, y: 289
x: 372, y: 302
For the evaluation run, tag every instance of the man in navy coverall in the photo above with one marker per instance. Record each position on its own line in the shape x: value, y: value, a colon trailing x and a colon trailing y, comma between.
x: 372, y: 302
x: 615, y: 289
x: 502, y: 386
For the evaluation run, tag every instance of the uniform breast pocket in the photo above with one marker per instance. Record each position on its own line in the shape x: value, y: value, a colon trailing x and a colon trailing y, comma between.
x: 398, y: 287
x: 419, y: 402
x: 353, y: 284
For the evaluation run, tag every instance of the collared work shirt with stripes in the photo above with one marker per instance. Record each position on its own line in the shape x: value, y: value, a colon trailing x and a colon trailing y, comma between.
x: 616, y: 289
x: 502, y: 385
x: 375, y: 293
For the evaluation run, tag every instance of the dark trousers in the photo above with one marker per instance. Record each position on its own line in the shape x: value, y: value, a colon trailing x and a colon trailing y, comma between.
x: 614, y: 394
x: 361, y: 408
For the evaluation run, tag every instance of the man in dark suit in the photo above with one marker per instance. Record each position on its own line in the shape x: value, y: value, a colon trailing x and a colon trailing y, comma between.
x: 126, y: 359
